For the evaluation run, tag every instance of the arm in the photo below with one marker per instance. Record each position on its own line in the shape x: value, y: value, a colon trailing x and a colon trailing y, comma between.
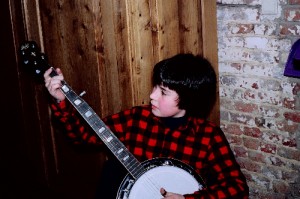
x: 224, y: 177
x: 77, y: 130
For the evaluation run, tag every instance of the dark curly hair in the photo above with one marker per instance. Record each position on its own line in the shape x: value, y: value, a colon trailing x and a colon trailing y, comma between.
x: 193, y: 78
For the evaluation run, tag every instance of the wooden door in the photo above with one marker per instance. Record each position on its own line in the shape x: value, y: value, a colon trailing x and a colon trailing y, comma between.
x: 108, y: 49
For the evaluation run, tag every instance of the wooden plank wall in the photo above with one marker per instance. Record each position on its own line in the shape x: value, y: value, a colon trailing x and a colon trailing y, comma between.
x: 109, y: 47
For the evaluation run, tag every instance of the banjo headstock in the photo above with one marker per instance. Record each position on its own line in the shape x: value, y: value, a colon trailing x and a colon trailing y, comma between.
x: 33, y: 60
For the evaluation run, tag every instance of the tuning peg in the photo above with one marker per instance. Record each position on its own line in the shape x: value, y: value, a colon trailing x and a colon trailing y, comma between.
x: 33, y: 45
x: 82, y: 93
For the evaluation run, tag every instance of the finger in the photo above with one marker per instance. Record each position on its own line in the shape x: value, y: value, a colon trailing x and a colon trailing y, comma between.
x: 47, y: 72
x: 58, y: 71
x: 163, y: 192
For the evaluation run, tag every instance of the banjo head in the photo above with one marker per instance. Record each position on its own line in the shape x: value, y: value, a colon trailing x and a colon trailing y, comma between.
x: 170, y: 174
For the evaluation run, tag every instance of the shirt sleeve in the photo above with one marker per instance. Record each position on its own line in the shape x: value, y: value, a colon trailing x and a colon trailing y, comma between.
x: 77, y: 130
x: 225, y: 178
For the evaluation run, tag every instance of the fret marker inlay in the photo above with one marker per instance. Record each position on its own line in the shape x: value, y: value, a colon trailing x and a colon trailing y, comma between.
x: 109, y: 139
x: 77, y: 102
x: 125, y: 158
x: 88, y: 114
x: 65, y: 88
x: 120, y: 150
x: 101, y: 129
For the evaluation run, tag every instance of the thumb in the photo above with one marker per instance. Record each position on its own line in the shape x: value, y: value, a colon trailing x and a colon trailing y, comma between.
x: 163, y: 192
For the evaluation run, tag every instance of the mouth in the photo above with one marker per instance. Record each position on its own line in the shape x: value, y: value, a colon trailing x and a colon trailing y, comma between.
x: 153, y: 107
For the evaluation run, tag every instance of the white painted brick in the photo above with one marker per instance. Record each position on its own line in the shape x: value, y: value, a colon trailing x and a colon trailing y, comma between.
x: 234, y: 41
x: 253, y: 2
x: 287, y: 88
x: 249, y: 15
x: 258, y: 70
x: 225, y: 67
x: 265, y: 29
x: 256, y: 42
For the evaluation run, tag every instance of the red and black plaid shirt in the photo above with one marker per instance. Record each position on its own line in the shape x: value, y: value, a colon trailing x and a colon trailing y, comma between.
x: 199, y: 143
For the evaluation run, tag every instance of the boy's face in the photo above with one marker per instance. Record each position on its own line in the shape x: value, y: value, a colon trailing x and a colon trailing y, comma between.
x: 165, y: 102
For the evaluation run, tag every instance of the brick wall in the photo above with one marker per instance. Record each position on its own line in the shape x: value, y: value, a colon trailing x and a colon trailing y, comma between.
x: 260, y: 108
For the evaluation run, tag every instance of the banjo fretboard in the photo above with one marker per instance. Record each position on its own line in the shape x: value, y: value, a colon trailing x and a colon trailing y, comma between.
x: 133, y: 166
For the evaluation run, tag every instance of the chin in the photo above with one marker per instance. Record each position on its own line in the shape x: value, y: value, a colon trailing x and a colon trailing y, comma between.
x: 156, y: 113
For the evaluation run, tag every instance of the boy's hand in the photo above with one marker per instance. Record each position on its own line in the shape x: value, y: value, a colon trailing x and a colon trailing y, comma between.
x: 170, y: 195
x: 53, y: 84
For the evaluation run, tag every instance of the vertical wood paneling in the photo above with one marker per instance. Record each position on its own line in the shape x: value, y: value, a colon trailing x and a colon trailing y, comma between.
x: 210, y: 46
x: 168, y: 28
x: 190, y: 26
x: 141, y: 49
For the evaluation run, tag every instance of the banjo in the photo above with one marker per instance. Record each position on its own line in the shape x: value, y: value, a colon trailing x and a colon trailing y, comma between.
x: 144, y: 180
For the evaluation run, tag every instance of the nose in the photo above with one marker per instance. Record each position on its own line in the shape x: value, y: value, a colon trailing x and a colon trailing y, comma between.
x: 153, y: 93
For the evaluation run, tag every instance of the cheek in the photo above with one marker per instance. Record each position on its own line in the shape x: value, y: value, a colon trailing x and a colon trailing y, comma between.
x: 168, y: 105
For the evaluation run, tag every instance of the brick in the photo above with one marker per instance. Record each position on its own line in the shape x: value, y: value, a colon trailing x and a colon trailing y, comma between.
x: 241, y: 28
x: 249, y: 165
x: 276, y: 161
x: 256, y: 42
x: 261, y: 194
x: 234, y: 41
x: 234, y: 139
x: 292, y: 14
x: 289, y: 153
x: 242, y: 14
x: 258, y: 70
x: 240, y: 151
x: 287, y: 126
x: 271, y: 98
x: 290, y: 29
x: 260, y: 180
x: 252, y: 132
x: 269, y: 111
x: 224, y: 116
x: 268, y: 148
x: 290, y: 88
x: 265, y: 29
x: 251, y: 143
x: 271, y: 84
x: 242, y: 119
x: 293, y: 116
x: 294, y: 2
x: 290, y: 142
x: 240, y: 2
x: 270, y: 136
x: 256, y: 156
x: 289, y: 103
x: 272, y: 172
x: 280, y: 186
x: 245, y: 107
x: 233, y: 129
x: 230, y: 67
x: 296, y: 88
x: 290, y: 176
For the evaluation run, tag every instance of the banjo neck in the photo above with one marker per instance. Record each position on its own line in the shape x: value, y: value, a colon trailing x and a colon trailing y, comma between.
x: 132, y: 165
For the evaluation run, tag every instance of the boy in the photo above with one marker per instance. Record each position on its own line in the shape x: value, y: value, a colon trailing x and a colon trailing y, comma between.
x: 174, y: 125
